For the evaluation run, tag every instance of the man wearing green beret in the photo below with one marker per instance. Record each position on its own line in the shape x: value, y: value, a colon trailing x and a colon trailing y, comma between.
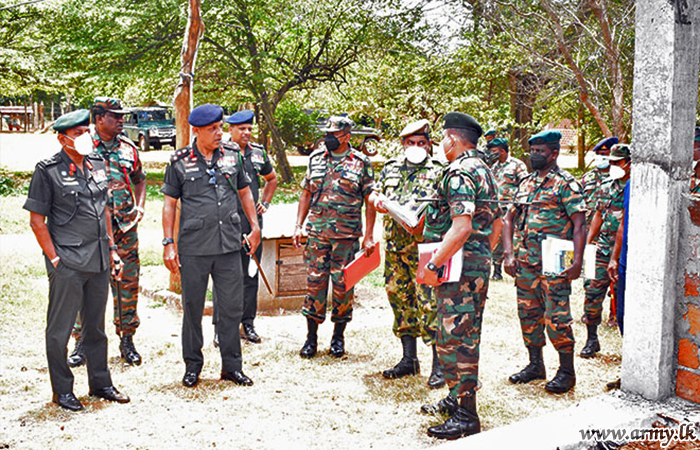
x: 509, y: 172
x: 70, y: 190
x: 550, y: 202
x: 606, y: 220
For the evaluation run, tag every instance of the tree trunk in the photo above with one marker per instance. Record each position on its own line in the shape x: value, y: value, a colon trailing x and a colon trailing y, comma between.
x: 523, y: 88
x: 183, y: 97
x: 582, y: 85
x: 284, y: 170
x: 581, y: 140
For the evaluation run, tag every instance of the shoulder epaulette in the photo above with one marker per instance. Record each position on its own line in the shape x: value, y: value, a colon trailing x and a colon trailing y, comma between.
x: 178, y: 154
x: 565, y: 175
x: 319, y: 151
x: 256, y: 146
x: 127, y: 140
x: 95, y: 156
x: 359, y: 154
x: 52, y: 160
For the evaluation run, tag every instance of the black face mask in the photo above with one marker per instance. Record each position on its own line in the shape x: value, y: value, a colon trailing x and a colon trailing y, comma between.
x: 491, y: 158
x: 538, y: 161
x: 332, y: 142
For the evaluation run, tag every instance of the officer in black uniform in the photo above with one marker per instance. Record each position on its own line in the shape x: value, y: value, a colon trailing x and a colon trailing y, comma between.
x: 70, y: 189
x: 256, y: 163
x: 208, y: 180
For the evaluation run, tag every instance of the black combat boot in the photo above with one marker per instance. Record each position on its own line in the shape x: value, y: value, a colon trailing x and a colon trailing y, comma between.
x: 447, y: 405
x: 497, y: 275
x: 565, y: 378
x: 129, y: 353
x: 437, y: 378
x: 464, y: 421
x: 77, y: 358
x: 409, y: 363
x: 338, y: 340
x: 309, y: 348
x: 533, y: 371
x: 592, y: 345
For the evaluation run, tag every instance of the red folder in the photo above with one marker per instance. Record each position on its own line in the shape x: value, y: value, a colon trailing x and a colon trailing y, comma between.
x: 452, y: 268
x: 358, y: 268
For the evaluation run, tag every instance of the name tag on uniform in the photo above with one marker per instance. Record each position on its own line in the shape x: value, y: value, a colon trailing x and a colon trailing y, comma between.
x: 70, y: 182
x: 192, y: 168
x: 99, y: 176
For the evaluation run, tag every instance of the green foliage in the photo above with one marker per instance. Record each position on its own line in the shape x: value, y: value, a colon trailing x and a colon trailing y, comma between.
x: 296, y: 126
x: 14, y: 183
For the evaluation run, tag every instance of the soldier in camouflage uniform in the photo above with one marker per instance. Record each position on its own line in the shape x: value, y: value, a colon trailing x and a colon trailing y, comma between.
x: 550, y: 202
x: 337, y: 181
x: 466, y: 215
x: 606, y: 220
x: 593, y: 179
x: 412, y: 175
x: 127, y: 196
x: 509, y: 172
x: 694, y: 183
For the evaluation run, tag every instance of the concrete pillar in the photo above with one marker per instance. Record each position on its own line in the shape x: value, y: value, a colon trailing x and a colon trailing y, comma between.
x: 667, y: 51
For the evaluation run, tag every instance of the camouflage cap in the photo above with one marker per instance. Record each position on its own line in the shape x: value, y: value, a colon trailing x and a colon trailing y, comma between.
x: 71, y: 120
x: 337, y: 123
x: 545, y: 137
x: 498, y: 142
x: 418, y: 127
x: 619, y: 152
x: 103, y: 104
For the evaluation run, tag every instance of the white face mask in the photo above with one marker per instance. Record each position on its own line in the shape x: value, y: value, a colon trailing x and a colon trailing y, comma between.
x: 415, y: 154
x: 601, y: 162
x: 617, y: 172
x: 83, y: 144
x: 695, y: 164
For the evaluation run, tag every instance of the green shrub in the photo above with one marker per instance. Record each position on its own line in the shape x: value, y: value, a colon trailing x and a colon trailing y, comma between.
x: 296, y: 127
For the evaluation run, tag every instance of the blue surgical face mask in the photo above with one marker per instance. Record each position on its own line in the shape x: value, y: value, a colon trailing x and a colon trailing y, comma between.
x: 601, y: 162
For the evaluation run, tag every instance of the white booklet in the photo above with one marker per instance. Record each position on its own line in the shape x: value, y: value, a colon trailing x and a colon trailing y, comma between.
x: 558, y: 254
x: 408, y: 215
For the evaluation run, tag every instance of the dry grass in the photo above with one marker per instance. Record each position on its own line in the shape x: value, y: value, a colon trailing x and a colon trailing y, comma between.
x: 295, y: 403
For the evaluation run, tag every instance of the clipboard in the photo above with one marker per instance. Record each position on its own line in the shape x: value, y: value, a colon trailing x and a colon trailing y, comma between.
x: 359, y: 267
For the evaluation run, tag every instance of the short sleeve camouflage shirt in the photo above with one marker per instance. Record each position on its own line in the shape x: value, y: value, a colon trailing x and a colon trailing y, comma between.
x: 467, y: 188
x: 338, y: 189
x: 610, y: 204
x: 508, y: 174
x: 555, y: 198
x: 591, y: 182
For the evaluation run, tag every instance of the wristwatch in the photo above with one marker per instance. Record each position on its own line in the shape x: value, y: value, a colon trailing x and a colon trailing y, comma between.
x: 167, y: 241
x: 433, y: 268
x: 266, y: 205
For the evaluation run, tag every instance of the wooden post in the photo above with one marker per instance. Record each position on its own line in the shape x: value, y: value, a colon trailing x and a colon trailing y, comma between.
x: 183, y: 96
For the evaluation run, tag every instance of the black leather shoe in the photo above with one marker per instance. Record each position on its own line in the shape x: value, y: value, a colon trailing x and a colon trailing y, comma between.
x: 112, y: 394
x: 67, y: 401
x: 565, y: 379
x: 237, y: 377
x: 190, y: 379
x: 497, y: 275
x: 447, y: 405
x: 77, y: 358
x: 437, y: 377
x: 592, y: 344
x: 129, y: 353
x: 250, y: 335
x: 533, y: 371
x: 308, y: 350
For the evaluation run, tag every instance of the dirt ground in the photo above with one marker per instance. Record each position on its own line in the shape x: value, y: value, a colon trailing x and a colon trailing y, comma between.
x: 295, y: 403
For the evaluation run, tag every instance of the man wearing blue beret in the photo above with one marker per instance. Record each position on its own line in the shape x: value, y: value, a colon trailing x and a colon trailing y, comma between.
x: 256, y: 164
x: 549, y: 202
x: 70, y: 190
x: 210, y: 182
x: 592, y: 180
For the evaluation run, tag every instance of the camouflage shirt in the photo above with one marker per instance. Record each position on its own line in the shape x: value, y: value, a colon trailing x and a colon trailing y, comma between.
x: 466, y: 183
x: 124, y: 171
x: 403, y: 182
x: 338, y: 189
x: 556, y: 197
x: 610, y: 205
x: 508, y: 174
x: 591, y: 182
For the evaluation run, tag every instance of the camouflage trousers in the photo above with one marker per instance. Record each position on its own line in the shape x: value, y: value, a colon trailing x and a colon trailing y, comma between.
x: 460, y: 310
x: 415, y: 312
x: 544, y: 300
x: 596, y: 290
x: 128, y: 250
x: 325, y: 258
